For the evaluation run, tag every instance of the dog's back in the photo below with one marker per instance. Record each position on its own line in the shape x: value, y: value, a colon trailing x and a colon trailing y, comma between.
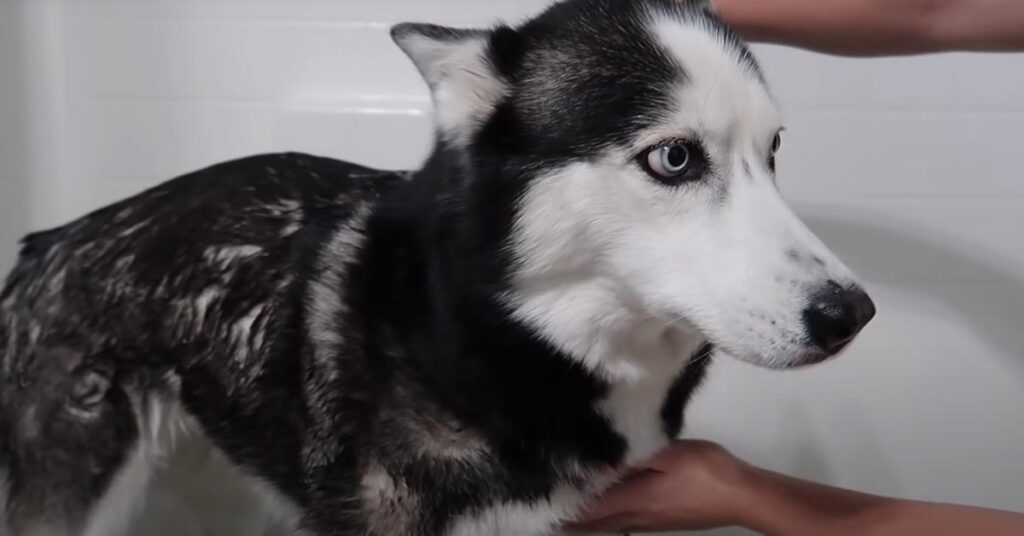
x: 204, y: 275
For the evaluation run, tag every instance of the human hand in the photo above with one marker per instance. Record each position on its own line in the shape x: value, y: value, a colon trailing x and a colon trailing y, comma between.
x: 696, y: 485
x: 692, y: 485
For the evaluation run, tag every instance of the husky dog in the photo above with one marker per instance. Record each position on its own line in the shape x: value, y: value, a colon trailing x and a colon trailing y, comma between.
x: 471, y: 349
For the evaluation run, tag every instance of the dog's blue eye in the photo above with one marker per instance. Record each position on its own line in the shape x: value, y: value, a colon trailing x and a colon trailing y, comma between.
x: 669, y: 160
x: 674, y: 162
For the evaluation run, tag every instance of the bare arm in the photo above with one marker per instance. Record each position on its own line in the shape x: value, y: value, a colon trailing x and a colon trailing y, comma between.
x: 698, y: 485
x: 880, y: 27
x: 784, y: 506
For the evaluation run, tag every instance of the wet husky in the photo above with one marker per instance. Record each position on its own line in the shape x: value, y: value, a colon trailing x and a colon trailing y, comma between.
x: 470, y: 349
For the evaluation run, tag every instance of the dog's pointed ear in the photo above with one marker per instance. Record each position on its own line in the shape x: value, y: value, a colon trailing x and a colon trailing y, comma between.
x: 440, y: 52
x: 458, y: 65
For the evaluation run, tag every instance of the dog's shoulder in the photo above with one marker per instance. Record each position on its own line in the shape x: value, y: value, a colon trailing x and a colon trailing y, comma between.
x: 239, y: 192
x: 226, y: 210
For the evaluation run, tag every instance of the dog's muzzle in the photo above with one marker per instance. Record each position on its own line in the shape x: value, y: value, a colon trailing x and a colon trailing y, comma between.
x: 835, y: 315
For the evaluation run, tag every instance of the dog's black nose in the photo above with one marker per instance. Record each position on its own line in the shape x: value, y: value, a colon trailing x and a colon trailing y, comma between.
x: 836, y: 315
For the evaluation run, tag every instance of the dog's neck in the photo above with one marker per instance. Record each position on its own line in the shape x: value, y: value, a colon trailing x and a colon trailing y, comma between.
x: 436, y: 281
x: 585, y: 317
x: 575, y: 310
x: 641, y: 357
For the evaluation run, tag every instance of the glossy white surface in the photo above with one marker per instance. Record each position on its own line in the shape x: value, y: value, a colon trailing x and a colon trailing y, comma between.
x: 908, y: 167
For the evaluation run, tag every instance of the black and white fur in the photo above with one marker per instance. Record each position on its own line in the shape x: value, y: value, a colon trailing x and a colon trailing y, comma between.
x: 471, y: 349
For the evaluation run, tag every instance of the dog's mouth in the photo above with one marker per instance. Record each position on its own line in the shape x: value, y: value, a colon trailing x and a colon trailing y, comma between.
x: 781, y: 342
x: 801, y: 358
x: 820, y: 357
x: 838, y: 350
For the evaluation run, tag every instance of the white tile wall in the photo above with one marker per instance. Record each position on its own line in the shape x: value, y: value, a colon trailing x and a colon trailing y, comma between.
x: 907, y: 166
x: 14, y: 137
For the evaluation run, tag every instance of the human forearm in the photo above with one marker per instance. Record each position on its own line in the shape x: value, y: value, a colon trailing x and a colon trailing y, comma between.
x: 880, y: 27
x: 778, y: 505
x: 696, y: 485
x: 911, y: 517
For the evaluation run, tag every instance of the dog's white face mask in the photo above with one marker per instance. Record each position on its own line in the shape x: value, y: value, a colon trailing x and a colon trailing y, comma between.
x: 675, y: 235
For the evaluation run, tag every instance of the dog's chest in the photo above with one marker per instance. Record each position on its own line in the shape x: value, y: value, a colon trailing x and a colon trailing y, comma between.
x: 638, y: 401
x: 634, y: 410
x: 541, y: 518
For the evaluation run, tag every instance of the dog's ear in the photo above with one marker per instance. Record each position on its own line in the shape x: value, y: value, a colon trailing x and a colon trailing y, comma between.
x: 441, y: 53
x: 457, y: 64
